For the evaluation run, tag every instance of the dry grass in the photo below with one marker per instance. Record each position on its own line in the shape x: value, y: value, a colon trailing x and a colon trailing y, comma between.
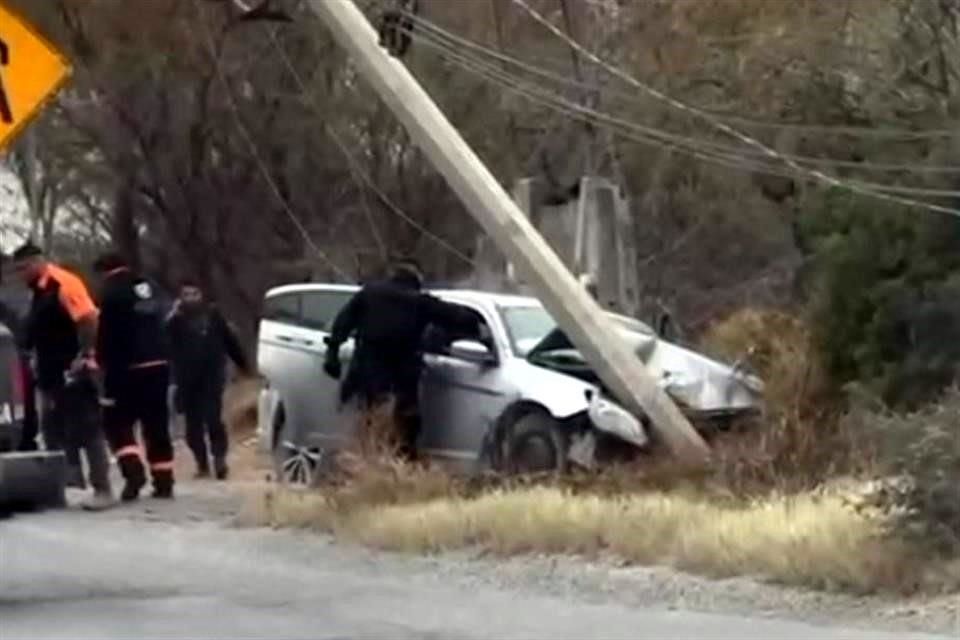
x: 240, y: 406
x: 813, y: 541
x: 761, y: 512
x: 801, y: 440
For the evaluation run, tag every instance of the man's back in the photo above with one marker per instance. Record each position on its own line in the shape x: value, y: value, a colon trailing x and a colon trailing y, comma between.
x: 131, y: 322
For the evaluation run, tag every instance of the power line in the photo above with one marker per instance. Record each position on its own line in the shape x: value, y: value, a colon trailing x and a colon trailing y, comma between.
x: 721, y: 154
x: 351, y: 158
x: 633, y: 98
x: 454, y: 39
x: 815, y: 174
x: 258, y: 159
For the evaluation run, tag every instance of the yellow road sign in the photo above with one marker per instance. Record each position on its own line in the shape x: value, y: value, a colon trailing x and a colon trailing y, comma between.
x: 31, y: 72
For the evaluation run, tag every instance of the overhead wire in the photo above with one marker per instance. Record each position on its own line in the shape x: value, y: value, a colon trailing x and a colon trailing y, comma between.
x: 634, y: 98
x: 816, y: 175
x: 356, y: 165
x: 460, y: 43
x: 709, y: 151
x: 258, y: 159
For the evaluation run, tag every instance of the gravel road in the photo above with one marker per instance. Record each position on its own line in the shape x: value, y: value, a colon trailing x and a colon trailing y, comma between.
x: 161, y: 570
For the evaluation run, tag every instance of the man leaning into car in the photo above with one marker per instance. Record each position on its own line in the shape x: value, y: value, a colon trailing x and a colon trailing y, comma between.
x: 388, y: 320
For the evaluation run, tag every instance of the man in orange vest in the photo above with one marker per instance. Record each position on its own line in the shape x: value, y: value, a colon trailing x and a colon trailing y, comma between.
x: 60, y: 331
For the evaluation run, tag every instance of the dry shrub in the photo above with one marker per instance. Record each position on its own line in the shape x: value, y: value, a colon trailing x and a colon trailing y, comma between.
x: 240, y: 401
x: 920, y: 453
x: 800, y: 440
x: 376, y: 434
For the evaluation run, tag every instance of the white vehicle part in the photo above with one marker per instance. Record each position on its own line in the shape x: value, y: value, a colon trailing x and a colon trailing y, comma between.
x: 610, y: 417
x: 267, y: 403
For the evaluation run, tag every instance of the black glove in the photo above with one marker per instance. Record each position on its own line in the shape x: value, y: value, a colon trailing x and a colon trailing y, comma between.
x: 331, y: 366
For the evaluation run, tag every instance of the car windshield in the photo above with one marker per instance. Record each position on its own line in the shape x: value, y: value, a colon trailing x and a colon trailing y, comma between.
x: 528, y: 325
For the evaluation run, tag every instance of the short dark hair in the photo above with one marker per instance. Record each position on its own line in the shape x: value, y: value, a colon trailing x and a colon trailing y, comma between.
x: 108, y: 261
x: 27, y: 250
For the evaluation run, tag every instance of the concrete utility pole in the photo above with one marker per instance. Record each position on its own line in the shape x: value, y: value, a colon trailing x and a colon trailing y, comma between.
x: 576, y: 312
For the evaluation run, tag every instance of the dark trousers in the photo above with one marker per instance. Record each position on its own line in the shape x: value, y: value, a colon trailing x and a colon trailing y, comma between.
x: 31, y: 421
x: 140, y: 395
x: 202, y: 405
x: 70, y: 422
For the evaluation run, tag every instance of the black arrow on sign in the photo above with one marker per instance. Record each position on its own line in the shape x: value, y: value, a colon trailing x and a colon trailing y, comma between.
x: 5, y: 113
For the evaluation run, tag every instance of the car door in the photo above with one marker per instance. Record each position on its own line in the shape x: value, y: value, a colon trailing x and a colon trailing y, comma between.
x: 461, y: 398
x: 320, y: 392
x: 283, y: 357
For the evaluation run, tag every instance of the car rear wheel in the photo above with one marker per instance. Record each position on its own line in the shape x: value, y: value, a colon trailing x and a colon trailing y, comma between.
x: 535, y: 444
x: 297, y: 466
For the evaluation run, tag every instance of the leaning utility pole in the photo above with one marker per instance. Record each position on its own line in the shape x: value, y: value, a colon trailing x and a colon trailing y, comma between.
x: 575, y: 311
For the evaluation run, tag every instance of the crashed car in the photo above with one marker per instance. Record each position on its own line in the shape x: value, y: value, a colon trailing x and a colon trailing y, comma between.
x: 520, y: 399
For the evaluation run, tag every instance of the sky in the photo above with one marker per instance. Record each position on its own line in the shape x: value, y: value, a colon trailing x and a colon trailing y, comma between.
x: 14, y: 221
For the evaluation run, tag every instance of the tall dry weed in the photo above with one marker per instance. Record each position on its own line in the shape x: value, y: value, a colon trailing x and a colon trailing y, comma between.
x: 800, y: 439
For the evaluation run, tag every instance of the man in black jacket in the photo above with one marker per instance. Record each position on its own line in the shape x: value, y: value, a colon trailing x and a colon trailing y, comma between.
x: 201, y: 341
x: 132, y: 352
x: 389, y: 319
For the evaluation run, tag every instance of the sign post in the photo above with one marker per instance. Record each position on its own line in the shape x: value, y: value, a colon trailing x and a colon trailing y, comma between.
x: 31, y: 72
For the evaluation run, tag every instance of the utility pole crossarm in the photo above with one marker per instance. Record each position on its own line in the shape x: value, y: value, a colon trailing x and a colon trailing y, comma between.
x: 575, y: 311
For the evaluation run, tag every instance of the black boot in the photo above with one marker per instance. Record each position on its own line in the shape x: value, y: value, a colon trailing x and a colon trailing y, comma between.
x: 134, y: 477
x: 221, y: 469
x: 163, y: 485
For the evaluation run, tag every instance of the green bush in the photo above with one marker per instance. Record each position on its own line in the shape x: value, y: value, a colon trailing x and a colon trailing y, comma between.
x: 885, y: 296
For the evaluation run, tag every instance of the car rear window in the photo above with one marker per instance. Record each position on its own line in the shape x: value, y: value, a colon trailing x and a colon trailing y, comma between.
x: 320, y: 308
x: 282, y: 308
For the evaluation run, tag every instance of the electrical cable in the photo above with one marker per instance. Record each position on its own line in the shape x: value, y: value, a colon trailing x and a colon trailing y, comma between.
x: 633, y: 98
x: 258, y: 159
x: 720, y: 154
x: 814, y: 174
x: 351, y: 158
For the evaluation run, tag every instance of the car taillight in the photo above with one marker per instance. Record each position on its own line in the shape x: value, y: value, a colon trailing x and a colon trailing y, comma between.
x: 18, y: 377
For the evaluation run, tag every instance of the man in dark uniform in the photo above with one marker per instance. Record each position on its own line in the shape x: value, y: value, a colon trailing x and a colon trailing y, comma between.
x: 201, y: 341
x: 60, y: 330
x: 388, y: 319
x: 132, y: 352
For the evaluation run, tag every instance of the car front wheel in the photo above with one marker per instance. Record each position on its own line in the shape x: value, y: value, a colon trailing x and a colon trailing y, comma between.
x: 535, y: 444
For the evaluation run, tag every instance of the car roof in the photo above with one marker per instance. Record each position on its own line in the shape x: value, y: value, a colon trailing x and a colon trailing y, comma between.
x: 500, y: 299
x: 506, y: 300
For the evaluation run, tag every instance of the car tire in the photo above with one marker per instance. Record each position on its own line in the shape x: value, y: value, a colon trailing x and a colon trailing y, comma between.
x: 294, y: 466
x: 535, y: 444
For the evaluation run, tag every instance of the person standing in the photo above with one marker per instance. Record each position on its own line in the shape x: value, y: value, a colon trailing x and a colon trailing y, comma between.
x: 201, y: 342
x: 132, y: 353
x: 389, y: 319
x: 60, y: 331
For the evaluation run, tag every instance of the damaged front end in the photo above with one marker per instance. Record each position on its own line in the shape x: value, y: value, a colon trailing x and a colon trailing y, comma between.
x: 706, y: 391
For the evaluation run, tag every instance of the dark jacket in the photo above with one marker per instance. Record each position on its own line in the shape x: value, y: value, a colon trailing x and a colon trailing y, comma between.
x: 59, y: 298
x: 200, y: 343
x: 131, y: 331
x: 388, y: 320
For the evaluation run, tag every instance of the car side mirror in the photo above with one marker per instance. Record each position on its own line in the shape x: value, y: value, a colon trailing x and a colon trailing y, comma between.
x: 472, y: 350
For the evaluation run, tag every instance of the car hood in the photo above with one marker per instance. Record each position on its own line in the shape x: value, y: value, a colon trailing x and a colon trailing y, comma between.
x: 697, y: 383
x: 560, y: 393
